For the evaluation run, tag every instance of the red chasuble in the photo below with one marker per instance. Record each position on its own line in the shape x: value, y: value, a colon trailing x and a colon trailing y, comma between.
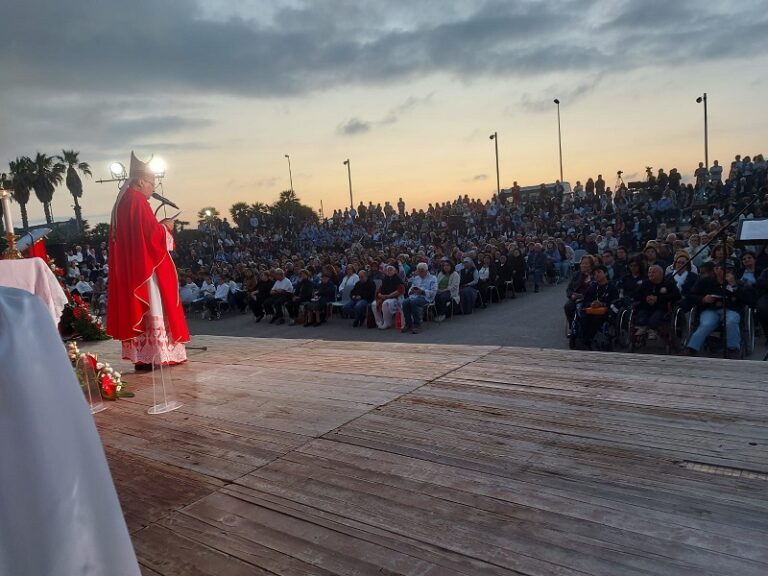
x: 137, y: 249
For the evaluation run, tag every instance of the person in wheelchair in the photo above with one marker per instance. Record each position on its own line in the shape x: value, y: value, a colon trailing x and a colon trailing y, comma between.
x: 594, y: 311
x: 717, y: 295
x: 654, y: 298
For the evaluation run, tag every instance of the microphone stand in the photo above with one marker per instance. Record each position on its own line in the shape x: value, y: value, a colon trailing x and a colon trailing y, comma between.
x: 724, y: 286
x: 165, y: 213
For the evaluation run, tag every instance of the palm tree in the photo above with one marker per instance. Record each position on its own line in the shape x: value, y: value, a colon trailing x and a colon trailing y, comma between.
x: 240, y: 212
x: 74, y: 183
x: 21, y: 178
x: 46, y: 176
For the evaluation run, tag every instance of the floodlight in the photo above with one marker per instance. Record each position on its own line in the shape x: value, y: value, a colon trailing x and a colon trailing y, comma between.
x: 158, y: 166
x: 117, y: 170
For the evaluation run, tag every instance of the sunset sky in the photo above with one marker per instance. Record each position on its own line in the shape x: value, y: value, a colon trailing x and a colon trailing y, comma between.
x: 408, y: 91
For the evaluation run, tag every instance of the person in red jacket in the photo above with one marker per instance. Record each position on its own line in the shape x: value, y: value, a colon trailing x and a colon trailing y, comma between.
x: 144, y: 307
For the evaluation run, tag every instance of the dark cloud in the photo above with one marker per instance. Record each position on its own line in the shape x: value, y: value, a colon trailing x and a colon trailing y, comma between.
x: 544, y: 100
x: 353, y: 126
x: 480, y: 177
x: 173, y: 46
x: 410, y: 103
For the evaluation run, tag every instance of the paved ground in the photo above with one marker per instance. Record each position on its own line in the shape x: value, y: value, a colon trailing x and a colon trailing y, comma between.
x: 531, y: 320
x: 534, y: 320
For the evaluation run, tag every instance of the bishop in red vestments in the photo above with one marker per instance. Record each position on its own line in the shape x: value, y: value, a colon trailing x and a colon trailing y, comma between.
x: 144, y: 308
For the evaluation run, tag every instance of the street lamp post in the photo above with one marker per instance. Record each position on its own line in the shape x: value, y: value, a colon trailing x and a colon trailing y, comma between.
x: 290, y: 175
x: 701, y: 99
x: 495, y: 138
x: 349, y: 175
x: 559, y: 139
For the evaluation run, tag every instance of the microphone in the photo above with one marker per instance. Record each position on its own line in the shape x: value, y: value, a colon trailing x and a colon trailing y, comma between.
x: 164, y: 200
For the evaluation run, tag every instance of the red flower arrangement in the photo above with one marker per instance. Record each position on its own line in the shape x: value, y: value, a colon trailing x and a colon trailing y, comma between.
x: 111, y: 384
x: 77, y: 320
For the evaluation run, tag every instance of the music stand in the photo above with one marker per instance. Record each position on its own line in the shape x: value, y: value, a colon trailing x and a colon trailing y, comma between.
x: 751, y: 231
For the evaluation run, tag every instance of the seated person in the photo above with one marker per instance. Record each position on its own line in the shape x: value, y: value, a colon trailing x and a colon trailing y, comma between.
x: 447, y: 289
x: 488, y: 275
x: 517, y: 262
x: 578, y: 286
x: 324, y: 295
x: 504, y: 271
x: 351, y: 277
x: 362, y: 295
x: 654, y: 299
x: 207, y: 291
x: 303, y: 294
x: 388, y: 297
x: 537, y: 265
x: 83, y: 288
x: 259, y: 295
x: 280, y: 294
x: 717, y: 295
x: 469, y: 279
x: 598, y: 297
x: 421, y: 293
x: 189, y: 292
x: 616, y: 270
x: 220, y: 296
x: 632, y: 279
x: 684, y: 277
x: 761, y: 287
x: 99, y: 296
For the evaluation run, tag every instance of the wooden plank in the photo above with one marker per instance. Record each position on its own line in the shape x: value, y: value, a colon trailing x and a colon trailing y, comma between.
x: 471, y: 460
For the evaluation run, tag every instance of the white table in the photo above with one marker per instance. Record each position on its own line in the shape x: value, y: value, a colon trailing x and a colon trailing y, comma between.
x: 35, y: 276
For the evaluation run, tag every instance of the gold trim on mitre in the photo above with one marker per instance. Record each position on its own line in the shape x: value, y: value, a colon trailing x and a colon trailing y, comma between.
x: 139, y: 169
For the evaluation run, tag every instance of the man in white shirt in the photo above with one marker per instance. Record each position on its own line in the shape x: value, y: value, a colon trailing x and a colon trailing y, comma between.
x: 189, y: 292
x: 83, y: 288
x: 220, y: 296
x: 281, y: 293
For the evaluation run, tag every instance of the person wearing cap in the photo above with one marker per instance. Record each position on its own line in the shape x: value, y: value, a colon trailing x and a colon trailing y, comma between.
x: 145, y: 310
x: 716, y: 295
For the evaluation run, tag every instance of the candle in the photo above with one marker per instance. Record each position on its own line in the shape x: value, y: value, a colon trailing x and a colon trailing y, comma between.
x: 7, y: 212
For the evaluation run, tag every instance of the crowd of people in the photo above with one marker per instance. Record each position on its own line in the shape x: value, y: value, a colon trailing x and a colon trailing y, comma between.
x: 385, y: 265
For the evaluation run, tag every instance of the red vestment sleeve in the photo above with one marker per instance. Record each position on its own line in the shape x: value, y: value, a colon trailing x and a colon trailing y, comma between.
x: 137, y: 250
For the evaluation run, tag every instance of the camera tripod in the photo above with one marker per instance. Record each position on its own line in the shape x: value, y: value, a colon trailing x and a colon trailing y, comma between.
x: 619, y: 181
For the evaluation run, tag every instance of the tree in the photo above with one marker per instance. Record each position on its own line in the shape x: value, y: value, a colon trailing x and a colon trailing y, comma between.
x: 74, y: 183
x: 289, y: 211
x: 100, y: 232
x: 46, y: 175
x: 203, y: 215
x: 241, y: 214
x: 21, y: 181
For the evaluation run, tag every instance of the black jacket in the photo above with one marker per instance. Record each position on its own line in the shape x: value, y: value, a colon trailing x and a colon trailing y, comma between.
x: 607, y: 293
x: 666, y: 293
x: 710, y: 285
x: 366, y: 290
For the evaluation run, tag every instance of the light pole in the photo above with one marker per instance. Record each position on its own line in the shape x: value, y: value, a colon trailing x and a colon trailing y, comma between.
x: 559, y: 139
x: 495, y: 138
x: 701, y: 99
x: 290, y: 176
x: 349, y: 175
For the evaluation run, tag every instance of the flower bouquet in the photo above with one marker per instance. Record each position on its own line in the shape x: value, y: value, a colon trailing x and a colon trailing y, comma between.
x: 110, y: 381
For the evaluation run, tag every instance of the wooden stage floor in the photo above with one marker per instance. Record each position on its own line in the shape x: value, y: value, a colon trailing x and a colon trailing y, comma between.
x: 298, y: 457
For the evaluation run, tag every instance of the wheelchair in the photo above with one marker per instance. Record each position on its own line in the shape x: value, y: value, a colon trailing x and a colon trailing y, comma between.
x: 604, y: 337
x: 668, y: 331
x: 688, y: 324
